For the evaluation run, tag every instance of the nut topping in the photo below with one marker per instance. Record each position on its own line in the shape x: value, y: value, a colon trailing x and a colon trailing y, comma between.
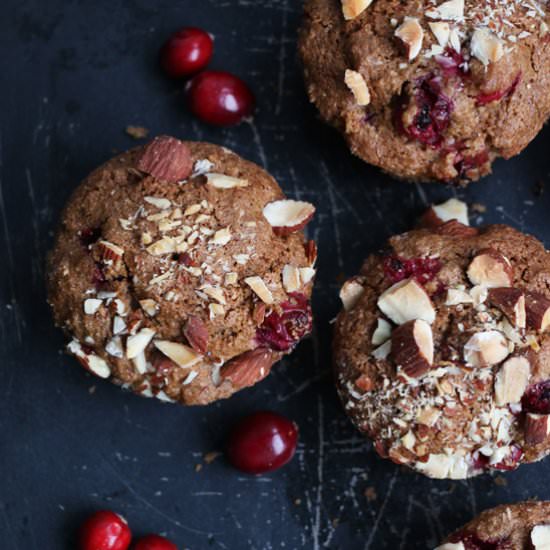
x: 109, y: 252
x: 438, y: 214
x: 138, y: 342
x: 166, y: 159
x: 511, y: 381
x: 381, y: 333
x: 260, y: 289
x: 90, y: 361
x: 485, y: 349
x: 350, y: 293
x: 288, y: 216
x: 221, y: 181
x: 248, y: 368
x: 412, y: 348
x: 407, y: 301
x: 441, y: 30
x: 356, y: 83
x: 537, y: 308
x: 491, y: 269
x: 453, y: 10
x: 486, y: 46
x: 410, y: 34
x: 353, y: 8
x: 181, y: 354
x: 511, y: 301
x: 540, y: 537
x: 291, y: 278
x: 537, y: 428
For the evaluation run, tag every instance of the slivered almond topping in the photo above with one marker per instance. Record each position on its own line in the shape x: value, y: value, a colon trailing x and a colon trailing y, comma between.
x: 260, y: 289
x: 140, y: 362
x: 307, y: 274
x: 453, y: 10
x: 182, y: 355
x: 353, y: 8
x: 410, y: 34
x: 457, y: 296
x: 381, y: 333
x: 441, y: 30
x: 511, y: 381
x: 537, y: 428
x: 407, y: 301
x: 291, y: 278
x: 486, y: 46
x: 356, y: 83
x: 138, y: 342
x: 90, y: 361
x: 193, y: 209
x: 350, y: 293
x: 149, y: 306
x: 451, y: 546
x: 221, y: 237
x: 221, y: 181
x: 491, y: 269
x: 214, y: 292
x: 114, y: 347
x: 540, y: 537
x: 537, y: 308
x: 166, y: 245
x: 91, y: 306
x: 382, y: 352
x: 412, y: 348
x: 215, y: 310
x: 159, y: 202
x: 109, y: 252
x: 511, y: 301
x: 484, y: 349
x: 146, y: 238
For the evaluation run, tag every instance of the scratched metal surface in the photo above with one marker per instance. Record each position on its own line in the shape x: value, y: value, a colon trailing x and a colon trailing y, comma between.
x: 74, y: 74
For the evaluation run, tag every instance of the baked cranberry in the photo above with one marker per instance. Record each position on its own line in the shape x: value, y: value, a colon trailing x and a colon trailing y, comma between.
x: 473, y: 542
x: 262, y: 442
x: 105, y: 530
x: 483, y: 99
x: 186, y: 52
x: 154, y: 542
x: 536, y: 398
x: 89, y: 236
x: 281, y: 331
x: 98, y: 276
x: 452, y: 63
x: 219, y: 98
x: 510, y: 462
x: 422, y: 269
x: 463, y: 164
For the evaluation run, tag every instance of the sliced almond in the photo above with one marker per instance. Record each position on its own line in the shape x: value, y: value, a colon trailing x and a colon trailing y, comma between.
x: 356, y: 83
x: 382, y: 352
x: 540, y: 537
x: 453, y: 10
x: 511, y: 381
x: 160, y: 202
x: 441, y: 30
x: 291, y: 278
x: 114, y: 347
x: 451, y: 546
x: 221, y: 181
x: 511, y: 301
x: 438, y: 214
x: 350, y: 293
x: 182, y: 355
x: 491, y: 269
x: 353, y: 8
x: 307, y: 274
x: 411, y: 35
x: 486, y: 348
x: 486, y: 46
x: 537, y: 428
x: 166, y: 245
x: 221, y: 237
x: 407, y: 301
x: 214, y: 292
x: 537, y: 308
x: 109, y: 252
x: 140, y: 362
x: 260, y: 289
x: 381, y: 333
x: 412, y: 348
x: 149, y: 306
x: 456, y: 296
x: 287, y: 216
x: 138, y: 342
x: 90, y: 361
x: 215, y: 310
x: 92, y: 305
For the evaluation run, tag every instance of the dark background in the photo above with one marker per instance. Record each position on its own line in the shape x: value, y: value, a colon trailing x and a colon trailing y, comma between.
x: 74, y: 74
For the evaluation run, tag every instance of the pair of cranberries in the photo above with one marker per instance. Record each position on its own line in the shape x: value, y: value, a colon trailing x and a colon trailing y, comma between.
x: 216, y: 97
x: 106, y: 530
x: 422, y: 269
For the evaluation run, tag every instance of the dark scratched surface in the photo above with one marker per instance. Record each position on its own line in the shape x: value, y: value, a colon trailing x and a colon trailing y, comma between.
x: 74, y: 75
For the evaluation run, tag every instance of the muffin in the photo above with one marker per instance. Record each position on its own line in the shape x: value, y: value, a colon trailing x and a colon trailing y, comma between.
x: 521, y: 526
x: 180, y: 271
x: 442, y: 350
x: 429, y: 90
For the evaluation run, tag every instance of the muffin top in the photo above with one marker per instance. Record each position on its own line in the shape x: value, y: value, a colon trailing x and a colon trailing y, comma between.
x: 442, y: 352
x: 181, y: 271
x: 521, y: 526
x: 429, y: 90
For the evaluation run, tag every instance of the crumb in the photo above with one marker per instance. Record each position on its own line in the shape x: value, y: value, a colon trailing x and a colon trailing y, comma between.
x: 137, y: 132
x: 370, y: 493
x: 478, y: 207
x: 211, y: 456
x: 297, y: 502
x: 198, y: 467
x: 500, y: 481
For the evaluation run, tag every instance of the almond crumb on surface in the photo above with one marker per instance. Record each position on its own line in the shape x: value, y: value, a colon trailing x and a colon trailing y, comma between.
x: 211, y: 456
x: 137, y: 132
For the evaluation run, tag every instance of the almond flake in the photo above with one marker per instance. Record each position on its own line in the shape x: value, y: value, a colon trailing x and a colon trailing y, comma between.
x: 410, y: 33
x: 137, y: 343
x: 353, y: 8
x: 140, y: 362
x: 160, y: 202
x: 91, y: 306
x: 90, y: 361
x: 193, y: 209
x: 149, y: 306
x: 382, y: 333
x: 442, y: 31
x: 109, y: 252
x: 511, y: 381
x: 119, y: 325
x: 452, y: 10
x: 166, y: 245
x: 114, y: 347
x: 146, y: 238
x: 307, y: 274
x: 221, y: 237
x: 486, y: 46
x: 216, y: 310
x: 241, y: 258
x: 260, y: 289
x: 168, y: 225
x: 540, y: 537
x: 182, y: 355
x: 356, y: 83
x: 291, y: 278
x: 221, y: 181
x: 350, y: 293
x: 190, y: 377
x: 231, y: 278
x: 214, y: 292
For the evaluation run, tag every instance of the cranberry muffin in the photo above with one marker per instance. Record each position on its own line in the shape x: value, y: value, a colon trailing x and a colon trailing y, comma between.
x: 442, y: 350
x: 180, y: 271
x: 521, y: 526
x: 429, y: 90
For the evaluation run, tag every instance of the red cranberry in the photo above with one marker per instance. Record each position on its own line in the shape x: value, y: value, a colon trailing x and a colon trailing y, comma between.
x: 282, y: 331
x: 463, y: 165
x: 219, y: 98
x: 262, y: 442
x: 536, y: 398
x: 186, y: 52
x: 422, y: 269
x: 154, y: 542
x: 105, y: 530
x: 483, y: 99
x: 452, y: 63
x: 89, y: 236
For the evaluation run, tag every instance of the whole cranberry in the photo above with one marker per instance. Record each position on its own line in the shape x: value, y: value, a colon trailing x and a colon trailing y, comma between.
x: 105, y: 530
x: 154, y: 542
x: 186, y: 52
x: 262, y: 442
x: 536, y: 398
x: 219, y: 98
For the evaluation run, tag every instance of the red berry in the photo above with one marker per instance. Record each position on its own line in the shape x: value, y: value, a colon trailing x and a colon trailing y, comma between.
x: 262, y: 442
x: 422, y: 269
x: 186, y: 52
x: 536, y: 398
x: 154, y: 542
x: 219, y: 98
x: 105, y: 530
